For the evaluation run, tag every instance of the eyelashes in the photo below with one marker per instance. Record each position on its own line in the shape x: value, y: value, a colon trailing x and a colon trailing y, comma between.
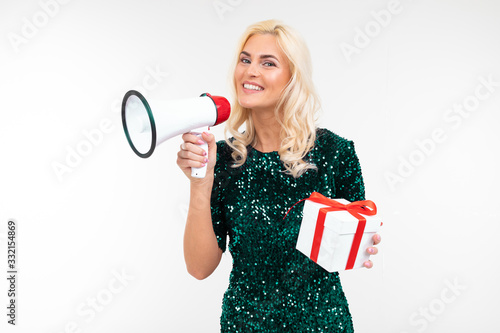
x: 265, y: 63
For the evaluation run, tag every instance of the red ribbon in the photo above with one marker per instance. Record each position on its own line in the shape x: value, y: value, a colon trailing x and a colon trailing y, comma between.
x: 365, y: 207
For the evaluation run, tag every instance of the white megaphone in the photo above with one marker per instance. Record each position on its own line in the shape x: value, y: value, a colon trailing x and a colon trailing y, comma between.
x: 149, y: 123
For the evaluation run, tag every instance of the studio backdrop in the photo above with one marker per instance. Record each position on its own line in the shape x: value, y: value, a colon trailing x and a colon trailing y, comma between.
x: 91, y: 234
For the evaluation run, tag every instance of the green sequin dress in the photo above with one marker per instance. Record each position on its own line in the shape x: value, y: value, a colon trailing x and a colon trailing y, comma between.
x: 273, y: 287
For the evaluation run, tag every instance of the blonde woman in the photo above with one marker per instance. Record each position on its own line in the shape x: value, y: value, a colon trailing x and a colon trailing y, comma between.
x: 254, y: 177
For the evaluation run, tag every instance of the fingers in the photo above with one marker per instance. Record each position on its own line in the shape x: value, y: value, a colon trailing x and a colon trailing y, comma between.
x: 191, y: 151
x: 208, y: 137
x: 368, y: 264
x: 191, y: 155
x: 188, y: 158
x: 372, y: 250
x: 212, y: 145
x: 191, y: 144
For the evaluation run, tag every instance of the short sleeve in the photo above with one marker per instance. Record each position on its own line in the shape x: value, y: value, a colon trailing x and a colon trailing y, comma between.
x: 349, y: 180
x: 217, y: 199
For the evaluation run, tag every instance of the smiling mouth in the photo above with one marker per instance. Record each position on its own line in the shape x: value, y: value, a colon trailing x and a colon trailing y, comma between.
x: 252, y: 87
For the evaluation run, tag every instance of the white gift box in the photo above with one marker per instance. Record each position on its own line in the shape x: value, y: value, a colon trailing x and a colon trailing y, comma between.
x: 336, y: 238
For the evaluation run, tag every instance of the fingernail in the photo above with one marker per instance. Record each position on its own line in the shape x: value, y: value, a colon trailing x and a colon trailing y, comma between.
x: 200, y: 142
x: 205, y: 160
x: 370, y: 250
x: 204, y: 153
x: 206, y: 133
x: 203, y: 164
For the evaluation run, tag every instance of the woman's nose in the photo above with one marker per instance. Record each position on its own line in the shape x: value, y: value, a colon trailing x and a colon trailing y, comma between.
x: 253, y: 69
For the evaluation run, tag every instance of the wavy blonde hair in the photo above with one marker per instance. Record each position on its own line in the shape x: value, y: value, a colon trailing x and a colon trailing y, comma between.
x: 295, y: 111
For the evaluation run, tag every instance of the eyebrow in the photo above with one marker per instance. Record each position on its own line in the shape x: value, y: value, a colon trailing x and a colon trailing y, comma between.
x: 263, y: 56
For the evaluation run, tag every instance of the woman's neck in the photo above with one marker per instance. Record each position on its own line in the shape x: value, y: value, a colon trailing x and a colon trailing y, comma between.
x: 267, y: 131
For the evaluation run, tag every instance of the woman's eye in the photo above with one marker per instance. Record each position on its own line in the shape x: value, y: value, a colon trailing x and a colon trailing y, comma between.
x: 245, y: 61
x: 269, y: 64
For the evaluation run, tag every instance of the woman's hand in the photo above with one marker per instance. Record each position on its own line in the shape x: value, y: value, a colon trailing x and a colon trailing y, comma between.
x: 372, y: 250
x: 191, y: 155
x: 201, y: 251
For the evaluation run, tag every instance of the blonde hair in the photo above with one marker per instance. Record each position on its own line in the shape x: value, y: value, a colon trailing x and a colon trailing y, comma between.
x: 295, y: 111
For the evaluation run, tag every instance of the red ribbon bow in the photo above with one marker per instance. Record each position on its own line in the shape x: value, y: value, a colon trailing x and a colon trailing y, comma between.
x: 365, y: 207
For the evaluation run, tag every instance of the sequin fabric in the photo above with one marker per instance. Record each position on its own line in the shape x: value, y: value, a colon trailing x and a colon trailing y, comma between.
x: 272, y: 286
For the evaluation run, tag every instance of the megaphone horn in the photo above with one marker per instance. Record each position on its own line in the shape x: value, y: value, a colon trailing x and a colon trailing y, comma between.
x: 149, y: 123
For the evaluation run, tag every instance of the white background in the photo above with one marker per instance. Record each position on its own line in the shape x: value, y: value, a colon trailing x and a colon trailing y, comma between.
x: 64, y: 67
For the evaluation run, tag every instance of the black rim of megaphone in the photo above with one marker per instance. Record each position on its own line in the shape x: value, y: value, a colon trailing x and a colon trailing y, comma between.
x: 151, y: 121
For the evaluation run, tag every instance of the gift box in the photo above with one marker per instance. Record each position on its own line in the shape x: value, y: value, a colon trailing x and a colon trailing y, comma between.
x: 335, y: 233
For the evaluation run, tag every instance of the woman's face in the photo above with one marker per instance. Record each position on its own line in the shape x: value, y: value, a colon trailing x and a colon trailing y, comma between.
x: 261, y: 74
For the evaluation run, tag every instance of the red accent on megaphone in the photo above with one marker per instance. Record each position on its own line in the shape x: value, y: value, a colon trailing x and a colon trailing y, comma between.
x: 223, y: 108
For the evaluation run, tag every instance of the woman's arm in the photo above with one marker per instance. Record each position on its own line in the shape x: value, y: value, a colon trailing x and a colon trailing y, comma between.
x: 351, y: 186
x: 201, y: 251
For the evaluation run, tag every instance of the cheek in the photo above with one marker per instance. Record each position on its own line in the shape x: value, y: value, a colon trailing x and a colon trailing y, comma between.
x: 237, y: 82
x: 280, y: 79
x: 238, y: 72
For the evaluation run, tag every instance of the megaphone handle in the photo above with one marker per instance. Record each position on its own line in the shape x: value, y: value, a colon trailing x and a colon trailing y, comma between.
x: 200, y: 172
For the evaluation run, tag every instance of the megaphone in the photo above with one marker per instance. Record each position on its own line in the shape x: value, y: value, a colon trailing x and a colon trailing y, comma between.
x: 149, y: 123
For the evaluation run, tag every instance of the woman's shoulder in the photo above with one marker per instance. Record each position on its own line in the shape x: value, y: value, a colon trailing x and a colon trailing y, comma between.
x: 331, y: 141
x: 223, y: 147
x: 224, y: 151
x: 333, y: 151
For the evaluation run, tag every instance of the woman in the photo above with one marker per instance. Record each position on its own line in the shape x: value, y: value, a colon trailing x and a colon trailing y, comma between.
x: 254, y: 178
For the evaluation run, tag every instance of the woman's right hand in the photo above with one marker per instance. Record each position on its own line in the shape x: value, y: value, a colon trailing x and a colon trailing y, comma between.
x: 191, y: 155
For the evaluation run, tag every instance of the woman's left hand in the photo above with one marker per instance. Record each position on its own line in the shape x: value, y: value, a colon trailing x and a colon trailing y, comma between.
x: 372, y: 250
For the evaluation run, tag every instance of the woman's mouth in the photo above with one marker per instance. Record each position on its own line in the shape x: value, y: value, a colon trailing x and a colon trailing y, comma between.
x: 252, y: 87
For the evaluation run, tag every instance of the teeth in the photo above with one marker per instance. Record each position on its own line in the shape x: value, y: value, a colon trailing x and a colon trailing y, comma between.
x: 252, y: 87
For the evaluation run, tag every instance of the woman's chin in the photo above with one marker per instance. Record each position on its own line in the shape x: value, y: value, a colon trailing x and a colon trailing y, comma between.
x: 246, y: 103
x: 254, y: 104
